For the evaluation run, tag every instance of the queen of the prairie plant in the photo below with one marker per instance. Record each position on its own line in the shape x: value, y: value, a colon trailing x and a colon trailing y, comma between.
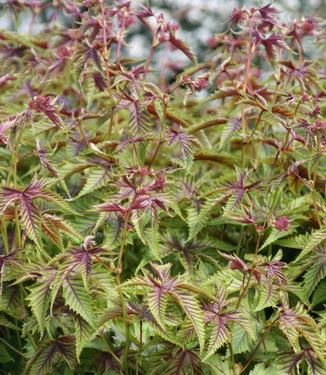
x: 154, y: 223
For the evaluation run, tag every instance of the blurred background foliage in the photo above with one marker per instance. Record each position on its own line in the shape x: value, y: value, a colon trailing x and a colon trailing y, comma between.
x: 199, y: 21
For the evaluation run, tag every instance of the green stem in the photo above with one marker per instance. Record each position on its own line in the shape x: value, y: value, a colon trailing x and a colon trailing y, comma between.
x: 248, y: 67
x: 18, y: 231
x: 240, y: 240
x: 4, y: 236
x: 122, y: 301
x: 232, y: 358
x: 140, y: 347
x: 110, y: 350
x: 13, y: 174
x: 160, y: 138
x: 245, y: 289
x: 257, y: 123
x: 264, y: 331
x: 314, y: 195
x: 12, y: 348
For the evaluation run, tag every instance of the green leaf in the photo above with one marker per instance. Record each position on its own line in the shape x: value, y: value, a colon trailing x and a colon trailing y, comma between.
x: 83, y: 333
x: 316, y: 271
x: 39, y: 299
x: 295, y: 323
x: 30, y: 218
x: 4, y: 322
x: 5, y: 357
x: 315, y: 239
x: 78, y: 298
x: 319, y: 295
x: 241, y: 340
x: 49, y: 353
x: 219, y: 335
x: 295, y: 242
x: 157, y: 302
x: 276, y: 235
x: 260, y: 369
x: 267, y: 295
x: 96, y: 179
x: 197, y: 220
x: 194, y: 313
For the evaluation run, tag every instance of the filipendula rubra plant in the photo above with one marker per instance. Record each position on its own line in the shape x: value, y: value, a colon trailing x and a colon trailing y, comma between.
x: 154, y: 221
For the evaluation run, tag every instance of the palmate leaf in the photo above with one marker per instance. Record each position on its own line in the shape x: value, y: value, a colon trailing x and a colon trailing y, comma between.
x: 220, y: 324
x: 49, y: 353
x: 57, y: 200
x: 161, y: 286
x: 10, y: 302
x: 289, y: 362
x: 78, y: 298
x: 87, y: 110
x: 10, y: 260
x: 51, y: 232
x: 30, y: 214
x: 185, y: 362
x: 295, y: 323
x: 173, y: 360
x: 187, y: 332
x: 83, y: 333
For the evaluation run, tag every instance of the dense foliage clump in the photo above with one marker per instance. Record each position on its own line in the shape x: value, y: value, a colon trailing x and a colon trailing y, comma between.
x: 161, y: 221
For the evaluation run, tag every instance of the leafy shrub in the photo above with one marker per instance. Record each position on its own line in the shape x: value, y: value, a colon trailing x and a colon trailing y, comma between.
x: 161, y: 223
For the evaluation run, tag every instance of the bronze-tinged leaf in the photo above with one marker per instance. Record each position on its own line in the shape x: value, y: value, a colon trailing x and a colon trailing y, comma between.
x: 284, y: 111
x: 182, y: 46
x: 50, y: 353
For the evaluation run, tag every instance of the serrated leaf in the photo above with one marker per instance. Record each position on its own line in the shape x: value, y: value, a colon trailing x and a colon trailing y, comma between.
x: 157, y: 303
x: 194, y: 313
x: 96, y: 179
x: 39, y: 299
x: 316, y: 271
x: 50, y: 352
x: 78, y: 298
x: 241, y: 340
x: 83, y: 332
x: 276, y: 235
x: 315, y: 239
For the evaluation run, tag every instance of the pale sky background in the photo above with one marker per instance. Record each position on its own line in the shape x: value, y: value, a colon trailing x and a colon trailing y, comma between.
x: 209, y: 16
